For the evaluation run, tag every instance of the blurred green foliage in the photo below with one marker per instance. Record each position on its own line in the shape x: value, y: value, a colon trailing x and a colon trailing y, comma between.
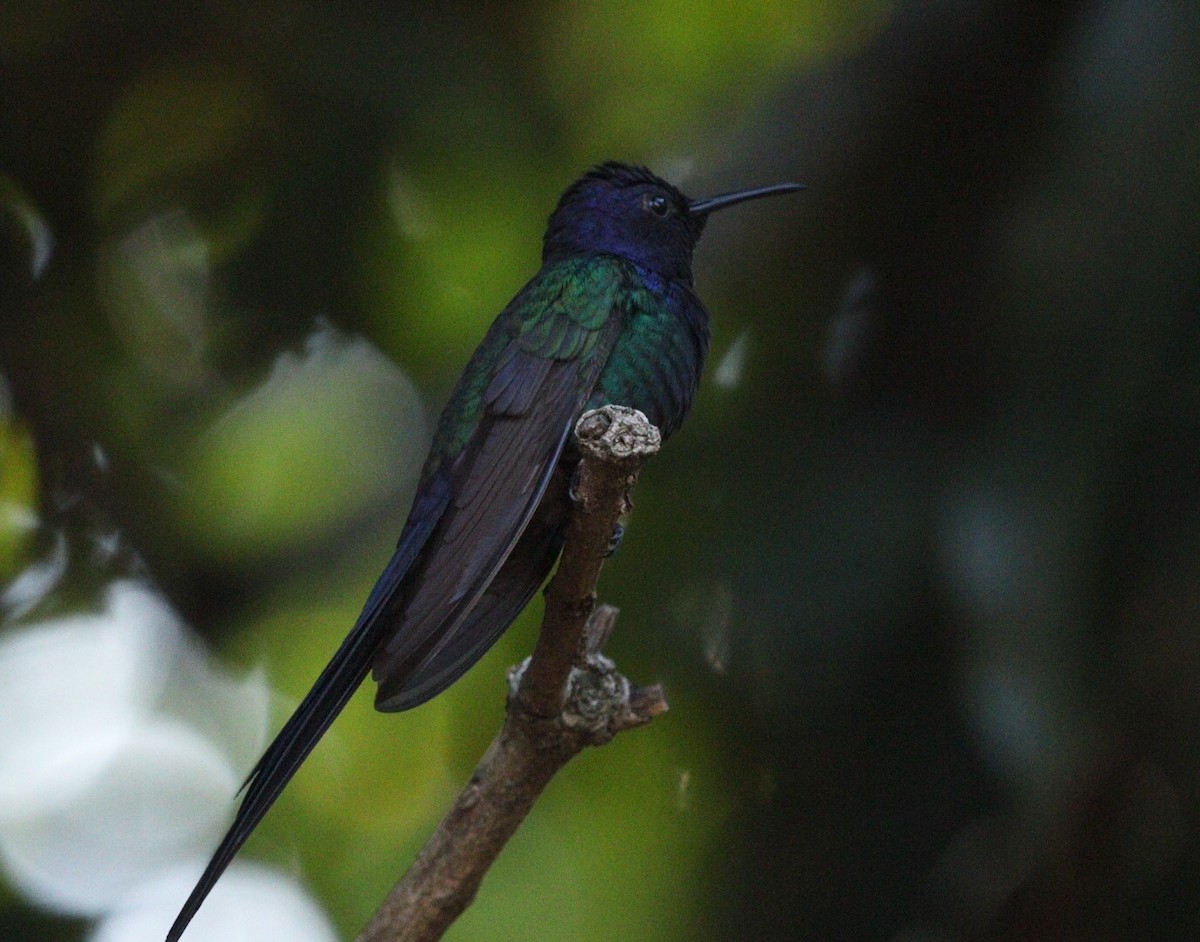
x: 919, y: 577
x: 18, y: 492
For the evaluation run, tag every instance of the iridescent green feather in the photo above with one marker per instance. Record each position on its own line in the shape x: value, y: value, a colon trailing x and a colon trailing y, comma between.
x: 658, y: 357
x: 558, y: 315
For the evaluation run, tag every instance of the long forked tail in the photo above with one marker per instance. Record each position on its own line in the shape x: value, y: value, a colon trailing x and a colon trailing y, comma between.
x: 283, y: 757
x: 321, y: 705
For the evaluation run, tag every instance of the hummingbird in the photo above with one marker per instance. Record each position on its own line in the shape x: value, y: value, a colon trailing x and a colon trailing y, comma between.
x: 611, y: 317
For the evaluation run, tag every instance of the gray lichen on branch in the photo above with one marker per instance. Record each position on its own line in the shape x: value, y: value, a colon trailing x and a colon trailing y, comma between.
x: 600, y: 701
x: 566, y: 696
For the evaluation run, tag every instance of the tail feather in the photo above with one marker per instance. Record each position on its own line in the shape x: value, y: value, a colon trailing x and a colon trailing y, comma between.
x: 336, y: 684
x: 283, y: 757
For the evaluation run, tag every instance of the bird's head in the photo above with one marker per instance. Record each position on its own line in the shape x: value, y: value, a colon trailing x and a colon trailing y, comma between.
x: 624, y: 210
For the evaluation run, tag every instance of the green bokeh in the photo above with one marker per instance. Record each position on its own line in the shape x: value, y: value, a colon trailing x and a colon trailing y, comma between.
x: 633, y: 77
x: 18, y: 493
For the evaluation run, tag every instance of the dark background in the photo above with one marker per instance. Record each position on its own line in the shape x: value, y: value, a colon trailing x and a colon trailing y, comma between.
x: 921, y: 573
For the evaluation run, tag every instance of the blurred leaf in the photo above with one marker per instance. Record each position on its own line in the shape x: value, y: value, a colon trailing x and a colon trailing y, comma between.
x: 631, y: 77
x: 171, y: 135
x: 155, y: 282
x: 324, y: 438
x: 447, y: 252
x: 21, y: 220
x: 18, y: 489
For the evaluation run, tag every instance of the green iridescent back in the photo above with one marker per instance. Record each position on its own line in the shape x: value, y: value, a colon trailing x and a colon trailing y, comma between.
x: 560, y: 315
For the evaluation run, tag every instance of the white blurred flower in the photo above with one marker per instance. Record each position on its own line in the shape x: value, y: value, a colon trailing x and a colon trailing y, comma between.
x: 251, y: 903
x: 71, y: 691
x: 120, y: 750
x: 165, y: 792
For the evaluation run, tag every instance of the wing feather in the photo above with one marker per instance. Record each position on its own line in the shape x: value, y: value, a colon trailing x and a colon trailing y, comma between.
x: 524, y: 570
x: 498, y: 483
x: 516, y: 382
x: 498, y: 489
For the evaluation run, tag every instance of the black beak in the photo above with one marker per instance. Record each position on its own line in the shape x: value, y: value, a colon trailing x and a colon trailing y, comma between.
x: 703, y: 207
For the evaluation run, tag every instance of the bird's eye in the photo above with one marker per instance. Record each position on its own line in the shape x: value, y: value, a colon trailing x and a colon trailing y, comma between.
x: 656, y: 203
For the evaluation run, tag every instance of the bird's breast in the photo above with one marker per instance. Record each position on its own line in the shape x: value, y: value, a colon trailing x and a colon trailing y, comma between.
x: 656, y: 361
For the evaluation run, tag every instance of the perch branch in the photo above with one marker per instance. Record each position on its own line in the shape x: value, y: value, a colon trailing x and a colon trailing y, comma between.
x: 566, y: 696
